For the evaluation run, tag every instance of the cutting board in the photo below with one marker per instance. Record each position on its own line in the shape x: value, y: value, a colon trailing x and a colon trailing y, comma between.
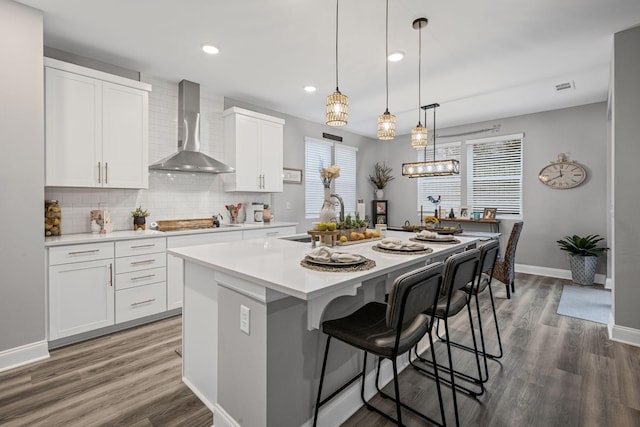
x: 181, y: 224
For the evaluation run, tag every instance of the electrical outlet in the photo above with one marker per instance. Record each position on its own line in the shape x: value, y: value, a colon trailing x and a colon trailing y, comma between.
x: 245, y: 319
x: 288, y: 205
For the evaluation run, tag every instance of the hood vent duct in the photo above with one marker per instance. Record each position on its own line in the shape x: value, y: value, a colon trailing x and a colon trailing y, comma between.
x: 189, y: 158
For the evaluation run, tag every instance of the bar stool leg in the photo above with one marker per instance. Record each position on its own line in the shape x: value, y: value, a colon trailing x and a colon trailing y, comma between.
x: 324, y: 366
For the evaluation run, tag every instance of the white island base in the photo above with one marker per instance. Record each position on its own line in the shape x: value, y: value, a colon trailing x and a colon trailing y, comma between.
x: 268, y: 376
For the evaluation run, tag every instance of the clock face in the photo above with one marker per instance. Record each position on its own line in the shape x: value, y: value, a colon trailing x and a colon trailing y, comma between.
x: 562, y: 175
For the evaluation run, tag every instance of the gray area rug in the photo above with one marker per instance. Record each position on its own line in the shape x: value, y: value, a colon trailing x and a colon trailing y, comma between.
x: 585, y: 303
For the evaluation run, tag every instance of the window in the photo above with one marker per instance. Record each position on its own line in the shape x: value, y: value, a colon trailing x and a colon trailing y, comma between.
x: 447, y: 187
x: 494, y: 175
x: 320, y: 154
x: 491, y: 176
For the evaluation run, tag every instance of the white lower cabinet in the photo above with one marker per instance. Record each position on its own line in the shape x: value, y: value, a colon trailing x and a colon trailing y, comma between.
x: 175, y: 266
x: 96, y: 285
x: 140, y: 301
x: 268, y: 232
x: 141, y: 278
x: 81, y: 289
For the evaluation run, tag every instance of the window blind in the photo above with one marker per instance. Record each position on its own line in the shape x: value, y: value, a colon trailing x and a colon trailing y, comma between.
x: 494, y: 168
x: 345, y: 186
x: 447, y: 187
x: 317, y: 155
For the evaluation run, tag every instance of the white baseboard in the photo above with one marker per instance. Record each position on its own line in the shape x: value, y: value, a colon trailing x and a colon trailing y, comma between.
x: 622, y: 333
x: 23, y: 355
x: 557, y: 272
x: 199, y: 394
x: 222, y: 419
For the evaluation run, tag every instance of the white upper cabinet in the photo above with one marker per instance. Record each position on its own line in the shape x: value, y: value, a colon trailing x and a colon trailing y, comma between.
x: 96, y: 128
x: 253, y: 146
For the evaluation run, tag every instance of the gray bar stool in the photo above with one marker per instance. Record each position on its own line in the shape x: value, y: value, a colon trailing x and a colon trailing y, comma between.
x: 460, y: 269
x: 488, y: 256
x: 387, y: 331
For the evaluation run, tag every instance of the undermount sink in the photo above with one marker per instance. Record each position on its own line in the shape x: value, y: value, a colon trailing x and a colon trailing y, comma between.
x: 303, y: 238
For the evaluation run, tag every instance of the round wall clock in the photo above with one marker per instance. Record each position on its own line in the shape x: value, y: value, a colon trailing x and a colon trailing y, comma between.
x: 562, y: 173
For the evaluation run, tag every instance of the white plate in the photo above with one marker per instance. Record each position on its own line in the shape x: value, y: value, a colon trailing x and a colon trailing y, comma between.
x: 335, y: 264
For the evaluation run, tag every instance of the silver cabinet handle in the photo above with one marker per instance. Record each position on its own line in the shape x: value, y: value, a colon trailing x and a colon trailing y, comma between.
x: 273, y: 233
x: 143, y: 277
x: 93, y: 251
x: 143, y: 246
x: 146, y: 261
x: 99, y: 173
x: 106, y: 172
x: 111, y: 275
x: 133, y: 304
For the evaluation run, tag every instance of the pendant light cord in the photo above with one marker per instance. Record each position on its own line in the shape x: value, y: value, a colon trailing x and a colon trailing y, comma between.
x: 386, y: 58
x: 337, y: 6
x: 434, y: 133
x: 425, y: 125
x: 420, y: 73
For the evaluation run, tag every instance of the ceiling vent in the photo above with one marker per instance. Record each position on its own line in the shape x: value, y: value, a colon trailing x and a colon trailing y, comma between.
x: 564, y: 86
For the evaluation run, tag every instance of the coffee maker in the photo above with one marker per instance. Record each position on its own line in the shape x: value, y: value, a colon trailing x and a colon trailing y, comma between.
x: 254, y: 212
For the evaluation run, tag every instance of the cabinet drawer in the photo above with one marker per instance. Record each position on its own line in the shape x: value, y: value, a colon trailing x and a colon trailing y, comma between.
x: 140, y: 246
x: 140, y: 301
x: 268, y: 232
x: 80, y: 253
x: 140, y: 262
x: 139, y: 278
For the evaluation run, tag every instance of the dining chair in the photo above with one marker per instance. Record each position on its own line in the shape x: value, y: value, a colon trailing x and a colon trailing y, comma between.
x: 459, y: 270
x: 387, y: 331
x: 504, y: 270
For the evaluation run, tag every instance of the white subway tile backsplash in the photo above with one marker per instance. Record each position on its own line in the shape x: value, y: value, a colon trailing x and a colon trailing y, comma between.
x: 170, y: 195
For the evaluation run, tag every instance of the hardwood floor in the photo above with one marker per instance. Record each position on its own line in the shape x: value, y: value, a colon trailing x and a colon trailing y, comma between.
x: 130, y: 378
x: 556, y: 371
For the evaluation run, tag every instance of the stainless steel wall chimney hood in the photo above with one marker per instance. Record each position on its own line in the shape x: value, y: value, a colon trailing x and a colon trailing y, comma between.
x: 189, y: 158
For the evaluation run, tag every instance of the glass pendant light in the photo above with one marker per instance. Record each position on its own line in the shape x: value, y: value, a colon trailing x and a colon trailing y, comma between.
x: 387, y: 121
x: 337, y: 112
x: 419, y: 133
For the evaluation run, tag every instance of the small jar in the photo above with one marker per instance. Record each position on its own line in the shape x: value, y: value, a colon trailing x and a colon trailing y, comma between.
x: 52, y: 218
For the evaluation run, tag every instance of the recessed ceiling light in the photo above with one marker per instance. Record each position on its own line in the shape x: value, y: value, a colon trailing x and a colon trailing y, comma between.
x: 396, y: 56
x: 309, y: 89
x: 210, y: 49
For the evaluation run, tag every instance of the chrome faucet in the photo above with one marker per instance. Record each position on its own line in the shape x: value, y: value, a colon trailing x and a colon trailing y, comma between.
x: 341, y: 206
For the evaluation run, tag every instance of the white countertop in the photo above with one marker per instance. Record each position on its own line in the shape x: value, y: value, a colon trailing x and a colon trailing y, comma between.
x: 275, y: 263
x: 69, y: 239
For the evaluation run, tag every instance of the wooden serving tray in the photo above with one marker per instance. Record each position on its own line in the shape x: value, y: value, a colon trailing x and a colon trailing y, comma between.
x: 182, y: 224
x: 355, y: 242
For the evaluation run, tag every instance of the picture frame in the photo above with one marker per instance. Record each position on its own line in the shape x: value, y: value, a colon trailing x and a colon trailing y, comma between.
x: 489, y: 213
x: 291, y: 176
x: 381, y: 208
x: 464, y: 212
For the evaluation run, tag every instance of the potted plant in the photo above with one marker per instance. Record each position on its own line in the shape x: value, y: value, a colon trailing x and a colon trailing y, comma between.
x: 380, y: 178
x: 584, y: 254
x: 139, y: 216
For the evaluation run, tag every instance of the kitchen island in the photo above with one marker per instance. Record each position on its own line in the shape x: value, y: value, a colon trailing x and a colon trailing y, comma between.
x: 252, y: 350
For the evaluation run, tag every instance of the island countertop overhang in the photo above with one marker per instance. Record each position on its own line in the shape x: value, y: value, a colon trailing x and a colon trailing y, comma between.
x: 275, y: 263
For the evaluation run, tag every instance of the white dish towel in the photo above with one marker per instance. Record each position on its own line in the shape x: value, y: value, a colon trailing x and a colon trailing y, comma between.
x: 326, y: 254
x: 391, y: 243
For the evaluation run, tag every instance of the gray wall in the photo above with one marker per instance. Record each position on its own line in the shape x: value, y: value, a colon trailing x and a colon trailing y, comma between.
x: 626, y: 177
x: 548, y: 214
x: 22, y: 289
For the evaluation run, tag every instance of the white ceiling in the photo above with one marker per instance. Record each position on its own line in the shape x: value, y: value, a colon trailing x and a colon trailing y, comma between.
x: 482, y: 60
